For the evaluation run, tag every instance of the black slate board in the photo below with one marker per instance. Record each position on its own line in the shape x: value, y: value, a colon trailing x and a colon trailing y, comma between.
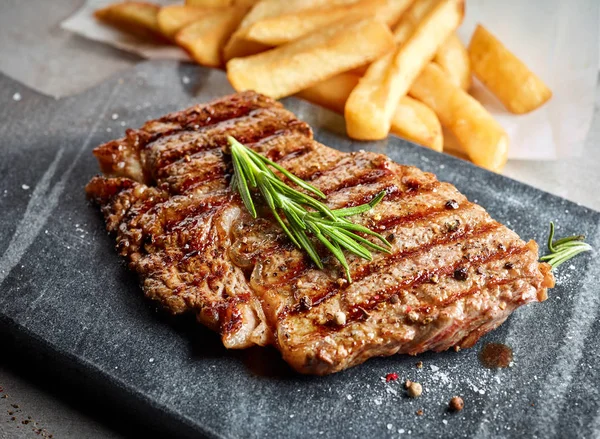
x: 65, y: 293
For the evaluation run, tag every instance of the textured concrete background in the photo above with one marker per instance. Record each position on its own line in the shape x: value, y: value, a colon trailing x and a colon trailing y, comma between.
x: 34, y: 50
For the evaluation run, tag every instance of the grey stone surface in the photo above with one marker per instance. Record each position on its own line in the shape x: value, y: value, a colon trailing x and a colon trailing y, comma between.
x: 69, y: 302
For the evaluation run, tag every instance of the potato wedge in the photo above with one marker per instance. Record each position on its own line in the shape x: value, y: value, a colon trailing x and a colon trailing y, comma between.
x: 415, y: 121
x: 453, y: 58
x: 412, y: 120
x: 295, y: 66
x: 371, y: 105
x: 171, y: 19
x: 137, y: 18
x: 288, y: 27
x: 477, y: 132
x: 204, y: 39
x: 505, y: 75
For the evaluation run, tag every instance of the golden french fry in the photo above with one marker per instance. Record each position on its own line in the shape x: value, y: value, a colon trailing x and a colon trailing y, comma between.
x: 331, y: 93
x: 220, y: 3
x: 204, y: 39
x: 505, y: 75
x: 295, y: 66
x: 287, y: 27
x: 239, y: 45
x: 409, y: 20
x: 477, y: 132
x: 171, y: 19
x: 412, y: 120
x: 209, y: 3
x: 392, y: 11
x: 405, y: 24
x: 452, y: 146
x: 415, y: 121
x: 371, y: 105
x: 453, y: 58
x: 137, y: 18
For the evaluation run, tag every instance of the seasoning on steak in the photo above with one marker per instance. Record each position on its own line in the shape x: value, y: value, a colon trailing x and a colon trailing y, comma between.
x: 167, y: 199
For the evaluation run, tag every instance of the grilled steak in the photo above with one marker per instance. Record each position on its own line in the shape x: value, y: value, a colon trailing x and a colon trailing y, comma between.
x: 453, y: 275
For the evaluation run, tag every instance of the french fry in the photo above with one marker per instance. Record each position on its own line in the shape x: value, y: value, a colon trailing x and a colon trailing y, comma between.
x: 287, y: 27
x: 371, y: 105
x: 239, y: 45
x: 137, y: 18
x: 171, y: 19
x: 331, y: 93
x: 452, y: 146
x: 477, y: 133
x: 209, y: 3
x: 505, y: 75
x: 295, y: 66
x: 204, y: 39
x: 412, y: 120
x: 409, y: 21
x: 453, y: 58
x: 415, y: 121
x: 220, y: 3
x: 392, y: 11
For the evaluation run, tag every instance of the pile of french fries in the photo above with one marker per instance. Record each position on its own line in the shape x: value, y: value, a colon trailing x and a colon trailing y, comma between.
x: 390, y: 66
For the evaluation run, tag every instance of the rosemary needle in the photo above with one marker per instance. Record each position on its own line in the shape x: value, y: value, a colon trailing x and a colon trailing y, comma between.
x: 564, y: 249
x: 289, y: 207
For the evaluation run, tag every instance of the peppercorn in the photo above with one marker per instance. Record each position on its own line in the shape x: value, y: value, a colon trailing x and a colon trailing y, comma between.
x: 456, y: 404
x: 508, y: 265
x: 415, y: 390
x: 394, y: 299
x: 461, y: 274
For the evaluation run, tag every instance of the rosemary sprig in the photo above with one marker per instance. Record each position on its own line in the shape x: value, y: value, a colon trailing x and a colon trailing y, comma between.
x: 330, y: 227
x: 564, y: 249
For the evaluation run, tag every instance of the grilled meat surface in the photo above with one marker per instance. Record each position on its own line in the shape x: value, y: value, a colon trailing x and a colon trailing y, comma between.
x: 453, y: 274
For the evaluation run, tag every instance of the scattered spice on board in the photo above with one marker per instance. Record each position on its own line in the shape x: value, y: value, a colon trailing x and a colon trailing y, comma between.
x: 456, y: 404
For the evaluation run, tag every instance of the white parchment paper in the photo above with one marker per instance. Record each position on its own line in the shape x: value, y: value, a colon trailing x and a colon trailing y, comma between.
x: 558, y: 40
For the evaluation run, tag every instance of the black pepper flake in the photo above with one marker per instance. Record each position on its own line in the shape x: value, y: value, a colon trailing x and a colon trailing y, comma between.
x: 461, y: 274
x: 509, y: 265
x: 451, y: 205
x: 391, y: 238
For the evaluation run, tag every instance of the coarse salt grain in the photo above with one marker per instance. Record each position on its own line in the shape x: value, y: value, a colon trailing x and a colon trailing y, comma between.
x: 151, y: 360
x: 390, y: 426
x: 349, y: 397
x: 17, y: 97
x: 25, y: 187
x: 115, y: 116
x: 185, y: 80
